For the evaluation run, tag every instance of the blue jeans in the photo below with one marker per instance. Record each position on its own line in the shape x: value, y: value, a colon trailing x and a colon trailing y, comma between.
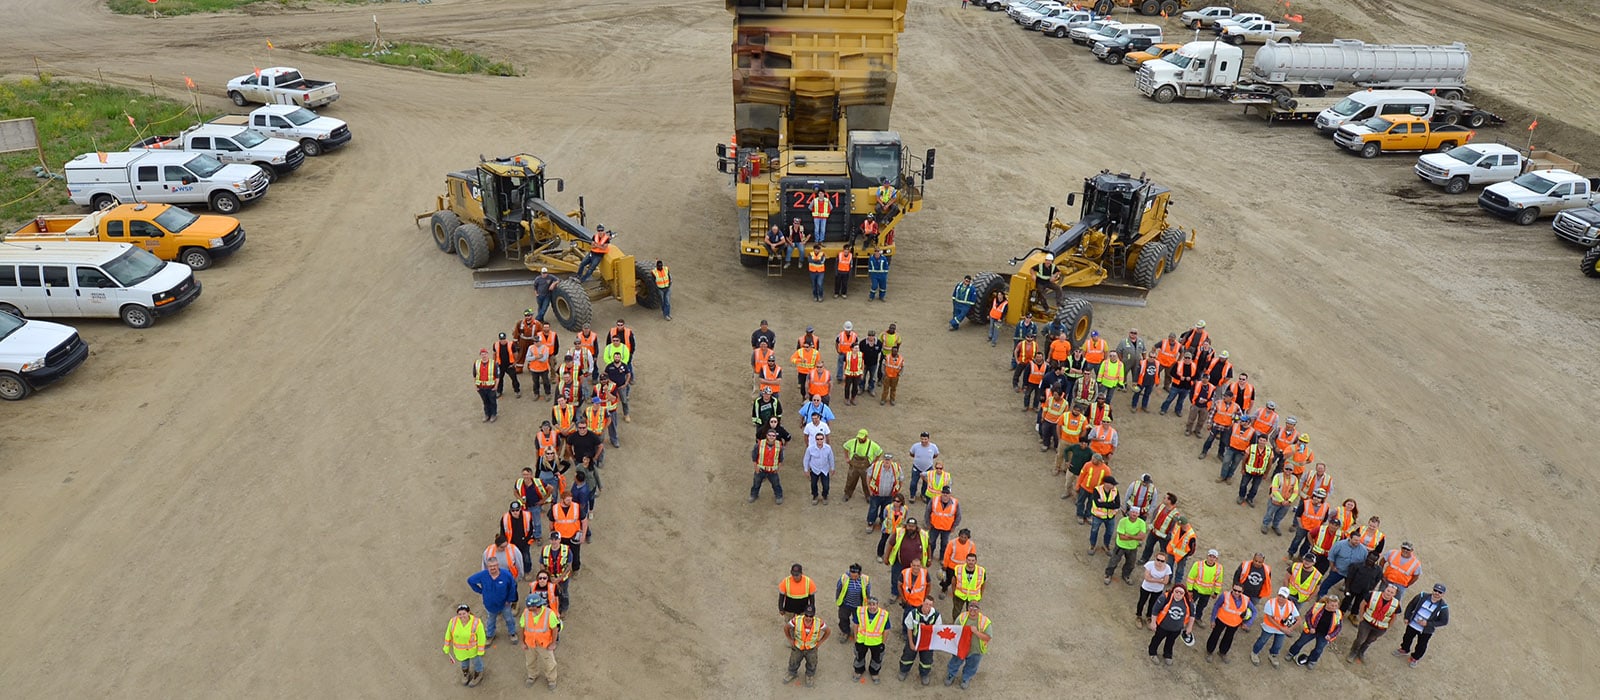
x: 994, y: 331
x: 590, y: 263
x: 761, y: 476
x: 1083, y: 505
x: 475, y: 662
x: 872, y: 376
x: 491, y: 619
x: 1261, y: 643
x: 794, y: 253
x: 1108, y: 392
x: 1332, y: 579
x: 838, y: 369
x: 1230, y: 461
x: 875, y: 506
x: 1094, y: 530
x: 1316, y: 651
x: 544, y: 305
x: 958, y: 313
x: 611, y: 428
x: 816, y: 285
x: 1175, y: 395
x: 880, y: 285
x: 819, y: 228
x: 1141, y: 396
x: 1301, y: 544
x: 1275, y: 513
x: 666, y: 302
x: 967, y: 667
x: 916, y: 487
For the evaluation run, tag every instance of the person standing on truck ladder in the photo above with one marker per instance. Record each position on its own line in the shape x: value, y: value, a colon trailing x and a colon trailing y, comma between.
x: 597, y: 251
x: 483, y: 374
x: 821, y: 209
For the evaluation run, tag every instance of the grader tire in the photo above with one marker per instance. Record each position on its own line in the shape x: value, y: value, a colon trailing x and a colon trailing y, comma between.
x: 987, y: 284
x: 572, y: 306
x: 648, y: 294
x: 443, y: 225
x: 472, y: 246
x: 1174, y: 239
x: 1077, y: 315
x: 1151, y: 265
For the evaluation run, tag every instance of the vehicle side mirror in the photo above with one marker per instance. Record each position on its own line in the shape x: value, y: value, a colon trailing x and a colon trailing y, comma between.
x: 561, y: 186
x: 723, y: 166
x: 722, y: 150
x: 927, y: 166
x: 1072, y: 198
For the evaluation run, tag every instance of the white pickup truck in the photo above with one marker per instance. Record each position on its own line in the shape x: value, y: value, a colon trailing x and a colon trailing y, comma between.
x: 1259, y: 32
x: 316, y: 134
x: 35, y: 353
x: 231, y: 143
x: 1205, y: 16
x: 281, y: 86
x: 1240, y: 18
x: 1059, y: 25
x: 1538, y: 194
x: 1085, y: 34
x: 1473, y: 164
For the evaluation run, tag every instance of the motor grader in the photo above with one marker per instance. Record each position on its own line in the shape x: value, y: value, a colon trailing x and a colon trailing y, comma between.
x: 1116, y: 252
x: 499, y: 207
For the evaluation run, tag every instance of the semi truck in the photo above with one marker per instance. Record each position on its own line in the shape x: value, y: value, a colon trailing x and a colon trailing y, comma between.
x: 1280, y: 71
x: 813, y: 86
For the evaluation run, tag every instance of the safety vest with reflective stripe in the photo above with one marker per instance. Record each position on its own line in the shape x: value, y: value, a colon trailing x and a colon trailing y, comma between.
x: 978, y: 645
x: 1300, y: 457
x: 819, y: 382
x: 564, y: 416
x: 601, y: 244
x: 1400, y: 572
x: 845, y: 258
x: 1264, y: 420
x: 997, y: 310
x: 955, y: 553
x: 539, y: 631
x: 1105, y: 500
x: 816, y: 262
x: 1095, y: 350
x: 553, y: 558
x: 1369, y: 536
x: 1309, y: 626
x: 1285, y: 488
x: 1286, y: 438
x: 1256, y: 582
x: 807, y: 635
x: 1025, y: 351
x: 936, y: 479
x: 1379, y: 612
x: 900, y: 535
x: 969, y: 584
x: 1325, y: 538
x: 1205, y: 579
x: 767, y: 455
x: 844, y: 341
x: 869, y: 627
x: 1312, y: 515
x: 1112, y: 373
x: 804, y: 588
x: 1073, y: 426
x: 1257, y: 459
x: 854, y: 364
x: 844, y: 588
x: 1101, y: 438
x: 1242, y: 436
x: 893, y: 365
x: 494, y: 552
x: 663, y: 277
x: 913, y: 589
x: 1053, y: 408
x: 1313, y: 482
x: 1278, y: 615
x: 1233, y: 609
x: 566, y: 520
x: 821, y: 205
x: 1303, y: 580
x: 1036, y: 372
x: 941, y: 515
x: 1140, y: 495
x: 464, y: 640
x: 483, y: 373
x: 1223, y: 413
x: 1165, y: 517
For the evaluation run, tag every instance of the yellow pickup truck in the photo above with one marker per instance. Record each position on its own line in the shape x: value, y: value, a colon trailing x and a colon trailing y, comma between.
x: 1400, y: 132
x: 1137, y: 58
x: 165, y: 230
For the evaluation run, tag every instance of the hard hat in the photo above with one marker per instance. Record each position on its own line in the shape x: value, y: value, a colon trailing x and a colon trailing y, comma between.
x: 1094, y: 334
x: 463, y: 606
x: 1211, y: 552
x: 537, y: 600
x: 1292, y: 420
x: 1223, y: 354
x: 544, y: 269
x: 1319, y: 493
x: 1305, y: 438
x: 600, y: 227
x: 527, y: 312
x: 1272, y: 404
x: 502, y: 336
x: 1200, y: 323
x: 849, y: 326
x: 1284, y: 591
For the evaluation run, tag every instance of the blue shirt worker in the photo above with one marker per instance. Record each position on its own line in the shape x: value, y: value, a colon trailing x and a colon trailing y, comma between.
x: 499, y: 591
x: 878, y: 274
x: 961, y: 301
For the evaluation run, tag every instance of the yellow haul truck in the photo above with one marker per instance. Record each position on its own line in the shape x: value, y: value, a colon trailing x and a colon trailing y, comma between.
x: 813, y: 84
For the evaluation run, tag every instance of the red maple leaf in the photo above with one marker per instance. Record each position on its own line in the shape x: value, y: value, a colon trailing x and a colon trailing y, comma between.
x: 946, y: 634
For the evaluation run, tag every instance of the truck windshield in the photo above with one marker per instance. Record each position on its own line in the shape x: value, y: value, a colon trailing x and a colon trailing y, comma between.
x: 250, y: 138
x: 1377, y: 124
x: 1347, y: 107
x: 301, y: 117
x: 9, y: 324
x: 1178, y: 60
x: 175, y: 219
x: 1465, y: 154
x: 203, y: 165
x: 134, y: 266
x: 877, y: 163
x: 1535, y: 183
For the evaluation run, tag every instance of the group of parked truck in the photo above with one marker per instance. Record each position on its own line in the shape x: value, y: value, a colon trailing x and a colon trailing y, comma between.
x: 133, y: 256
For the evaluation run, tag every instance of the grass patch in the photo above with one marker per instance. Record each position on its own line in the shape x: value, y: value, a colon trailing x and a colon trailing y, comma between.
x: 425, y: 56
x: 190, y: 7
x: 73, y: 118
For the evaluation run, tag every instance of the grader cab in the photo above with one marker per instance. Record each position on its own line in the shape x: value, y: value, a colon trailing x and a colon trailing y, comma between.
x: 499, y: 207
x: 1116, y: 252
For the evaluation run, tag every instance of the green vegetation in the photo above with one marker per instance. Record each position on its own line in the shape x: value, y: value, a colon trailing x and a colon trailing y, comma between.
x: 435, y: 58
x: 189, y: 7
x: 73, y: 118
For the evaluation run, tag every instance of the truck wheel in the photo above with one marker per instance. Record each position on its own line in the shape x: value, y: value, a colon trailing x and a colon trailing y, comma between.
x: 987, y: 284
x: 1527, y: 216
x: 225, y: 203
x: 238, y: 99
x: 646, y: 292
x: 1078, y: 315
x: 1151, y: 265
x: 473, y: 246
x: 272, y: 174
x: 137, y: 316
x: 1197, y: 25
x: 1285, y: 40
x: 1174, y: 239
x: 1445, y: 147
x: 1591, y: 262
x: 1456, y: 185
x: 1476, y: 120
x: 196, y: 258
x: 13, y: 387
x: 14, y: 311
x: 443, y: 224
x: 1103, y: 8
x: 1235, y: 39
x: 102, y: 202
x: 1170, y: 7
x: 312, y: 147
x: 1371, y: 149
x: 1165, y: 94
x: 1450, y: 118
x: 572, y: 306
x: 1451, y: 94
x: 1112, y: 58
x: 1150, y: 7
x: 1059, y: 33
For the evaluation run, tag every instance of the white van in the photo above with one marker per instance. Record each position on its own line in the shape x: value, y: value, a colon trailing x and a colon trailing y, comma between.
x: 1361, y: 106
x: 162, y: 176
x: 36, y: 353
x: 81, y: 278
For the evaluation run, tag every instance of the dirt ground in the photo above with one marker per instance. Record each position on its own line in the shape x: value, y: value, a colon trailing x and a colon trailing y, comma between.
x: 281, y: 490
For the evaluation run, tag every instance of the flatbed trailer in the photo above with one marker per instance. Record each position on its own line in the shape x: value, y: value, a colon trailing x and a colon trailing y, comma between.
x: 1299, y: 109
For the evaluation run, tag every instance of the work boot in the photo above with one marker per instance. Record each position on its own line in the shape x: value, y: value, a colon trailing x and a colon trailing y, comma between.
x: 789, y: 677
x: 1263, y: 529
x: 926, y: 680
x: 1255, y: 659
x: 1167, y: 661
x: 1276, y: 531
x: 1208, y: 657
x: 477, y: 679
x: 951, y: 680
x: 1202, y: 456
x: 777, y: 500
x: 904, y: 674
x: 751, y: 499
x: 625, y: 417
x: 1274, y: 659
x: 466, y: 677
x: 1224, y: 658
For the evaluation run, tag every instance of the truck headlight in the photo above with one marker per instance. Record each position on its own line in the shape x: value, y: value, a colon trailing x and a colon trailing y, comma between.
x: 31, y: 366
x: 237, y: 185
x: 277, y: 159
x: 1517, y: 204
x: 215, y: 243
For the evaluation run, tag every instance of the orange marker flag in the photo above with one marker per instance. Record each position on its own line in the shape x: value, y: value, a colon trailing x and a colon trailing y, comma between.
x: 1294, y: 18
x: 188, y: 83
x: 258, y: 71
x: 130, y: 120
x: 1534, y: 124
x: 269, y: 44
x: 102, y: 155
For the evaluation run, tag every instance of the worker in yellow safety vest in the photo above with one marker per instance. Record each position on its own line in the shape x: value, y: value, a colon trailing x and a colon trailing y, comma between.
x: 969, y: 584
x: 871, y: 622
x: 465, y: 641
x: 804, y: 633
x: 484, y: 375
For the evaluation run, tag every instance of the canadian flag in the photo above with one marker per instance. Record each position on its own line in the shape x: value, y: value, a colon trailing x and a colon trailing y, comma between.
x: 950, y: 639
